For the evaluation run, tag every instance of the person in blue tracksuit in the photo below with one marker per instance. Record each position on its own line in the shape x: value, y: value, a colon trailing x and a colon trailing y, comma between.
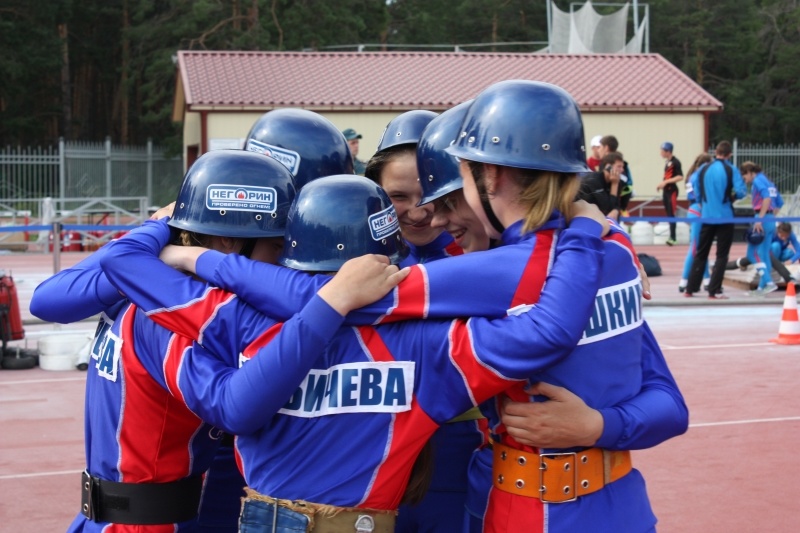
x: 694, y: 227
x: 510, y: 278
x: 309, y: 146
x: 717, y: 185
x: 386, y: 383
x: 766, y: 202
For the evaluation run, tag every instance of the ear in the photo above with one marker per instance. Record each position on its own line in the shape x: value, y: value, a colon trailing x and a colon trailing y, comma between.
x: 229, y: 244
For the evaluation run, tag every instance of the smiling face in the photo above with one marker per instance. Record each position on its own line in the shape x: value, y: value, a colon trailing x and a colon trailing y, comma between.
x: 400, y: 181
x: 454, y: 215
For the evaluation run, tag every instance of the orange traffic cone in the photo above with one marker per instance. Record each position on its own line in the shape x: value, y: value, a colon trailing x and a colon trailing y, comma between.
x: 789, y: 330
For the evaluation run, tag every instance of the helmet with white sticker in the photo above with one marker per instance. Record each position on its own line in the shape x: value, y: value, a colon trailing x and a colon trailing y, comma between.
x: 306, y: 142
x: 233, y: 193
x: 336, y: 218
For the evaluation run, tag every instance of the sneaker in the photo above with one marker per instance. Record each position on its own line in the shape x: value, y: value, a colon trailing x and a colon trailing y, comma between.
x: 770, y: 287
x: 719, y: 296
x: 681, y: 289
x: 671, y: 242
x: 688, y: 294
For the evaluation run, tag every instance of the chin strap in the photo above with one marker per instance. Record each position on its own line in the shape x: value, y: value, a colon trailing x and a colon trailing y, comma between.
x: 247, y: 248
x: 487, y: 207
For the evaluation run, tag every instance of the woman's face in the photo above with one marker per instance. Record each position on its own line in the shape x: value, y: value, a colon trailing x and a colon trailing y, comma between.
x: 400, y: 181
x: 454, y: 215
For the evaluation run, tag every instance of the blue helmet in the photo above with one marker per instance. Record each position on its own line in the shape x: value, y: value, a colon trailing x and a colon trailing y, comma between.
x: 438, y: 170
x: 337, y: 218
x: 754, y: 237
x: 405, y: 129
x: 232, y: 193
x: 306, y: 142
x: 524, y: 124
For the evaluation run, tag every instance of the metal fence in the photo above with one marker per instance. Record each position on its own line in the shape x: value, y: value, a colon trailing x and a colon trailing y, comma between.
x: 88, y: 170
x: 781, y: 163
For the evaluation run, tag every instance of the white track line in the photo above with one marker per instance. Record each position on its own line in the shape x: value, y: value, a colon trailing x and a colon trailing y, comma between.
x: 41, y: 474
x: 27, y: 381
x: 751, y: 421
x: 702, y: 346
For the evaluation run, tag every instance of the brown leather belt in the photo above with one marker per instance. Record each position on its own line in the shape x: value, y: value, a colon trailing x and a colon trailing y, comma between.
x: 322, y: 518
x: 557, y: 477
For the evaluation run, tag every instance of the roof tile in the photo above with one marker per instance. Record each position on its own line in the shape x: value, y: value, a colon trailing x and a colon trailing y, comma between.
x: 434, y: 80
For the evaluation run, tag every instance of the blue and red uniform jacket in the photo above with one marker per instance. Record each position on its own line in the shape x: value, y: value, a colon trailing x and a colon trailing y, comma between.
x: 395, y: 383
x: 637, y: 396
x: 136, y: 431
x: 439, y: 248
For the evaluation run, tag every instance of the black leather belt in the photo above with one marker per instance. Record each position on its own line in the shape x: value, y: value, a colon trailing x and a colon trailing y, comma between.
x: 140, y: 503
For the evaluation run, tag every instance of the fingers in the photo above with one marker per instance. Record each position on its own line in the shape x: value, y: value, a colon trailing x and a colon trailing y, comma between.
x: 645, y: 283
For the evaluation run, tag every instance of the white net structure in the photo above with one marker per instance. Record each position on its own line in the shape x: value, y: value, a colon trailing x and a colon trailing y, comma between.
x: 585, y: 31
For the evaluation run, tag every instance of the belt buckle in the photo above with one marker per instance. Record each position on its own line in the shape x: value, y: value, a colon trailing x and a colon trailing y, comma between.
x: 87, y: 495
x: 572, y: 490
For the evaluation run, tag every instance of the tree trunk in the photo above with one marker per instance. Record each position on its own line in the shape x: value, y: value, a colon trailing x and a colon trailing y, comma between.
x: 66, y: 92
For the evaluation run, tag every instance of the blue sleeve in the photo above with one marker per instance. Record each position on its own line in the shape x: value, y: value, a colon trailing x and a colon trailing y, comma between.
x: 276, y: 291
x: 657, y: 413
x: 75, y: 293
x: 739, y: 186
x: 795, y: 247
x: 243, y: 400
x: 133, y: 266
x: 280, y: 292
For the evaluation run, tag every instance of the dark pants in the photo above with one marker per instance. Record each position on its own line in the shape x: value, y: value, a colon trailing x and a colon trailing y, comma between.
x: 671, y: 207
x: 708, y: 232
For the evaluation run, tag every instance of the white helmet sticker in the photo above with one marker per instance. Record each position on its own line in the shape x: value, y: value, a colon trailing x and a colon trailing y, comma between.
x: 383, y: 223
x: 289, y: 158
x: 241, y: 198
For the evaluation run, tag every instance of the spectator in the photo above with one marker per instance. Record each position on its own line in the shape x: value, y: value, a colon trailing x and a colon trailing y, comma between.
x: 673, y: 174
x: 609, y: 144
x: 352, y: 141
x: 602, y: 187
x: 594, y: 160
x: 693, y: 213
x: 716, y: 185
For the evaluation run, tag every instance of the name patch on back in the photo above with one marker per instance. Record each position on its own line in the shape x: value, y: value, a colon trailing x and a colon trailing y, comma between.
x: 379, y: 387
x: 289, y: 158
x: 237, y: 198
x: 617, y: 309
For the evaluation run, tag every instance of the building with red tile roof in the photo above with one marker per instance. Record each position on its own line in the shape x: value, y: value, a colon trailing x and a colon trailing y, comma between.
x: 642, y: 99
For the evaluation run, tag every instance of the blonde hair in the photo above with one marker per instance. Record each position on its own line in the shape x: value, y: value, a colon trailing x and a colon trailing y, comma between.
x: 544, y: 191
x: 192, y: 238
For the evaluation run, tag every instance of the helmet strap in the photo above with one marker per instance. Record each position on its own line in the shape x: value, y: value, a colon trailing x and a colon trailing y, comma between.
x: 247, y: 248
x: 487, y: 207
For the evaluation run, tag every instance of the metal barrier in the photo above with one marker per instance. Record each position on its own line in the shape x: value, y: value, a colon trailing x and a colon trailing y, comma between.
x: 81, y: 169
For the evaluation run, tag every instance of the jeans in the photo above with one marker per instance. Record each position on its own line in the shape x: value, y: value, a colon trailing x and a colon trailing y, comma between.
x: 257, y: 517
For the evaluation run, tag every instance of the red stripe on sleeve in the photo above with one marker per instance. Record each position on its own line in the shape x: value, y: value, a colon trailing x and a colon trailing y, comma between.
x: 262, y: 340
x: 535, y: 273
x: 412, y: 297
x: 191, y: 319
x: 482, y: 381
